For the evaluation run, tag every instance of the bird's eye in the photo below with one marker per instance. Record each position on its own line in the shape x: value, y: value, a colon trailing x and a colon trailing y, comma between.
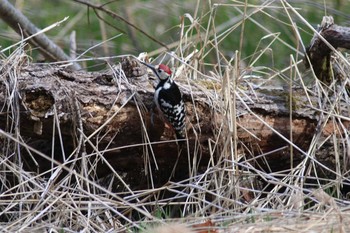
x: 159, y: 70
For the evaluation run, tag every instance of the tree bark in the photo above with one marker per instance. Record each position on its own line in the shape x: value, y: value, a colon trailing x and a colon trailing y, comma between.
x: 108, y: 114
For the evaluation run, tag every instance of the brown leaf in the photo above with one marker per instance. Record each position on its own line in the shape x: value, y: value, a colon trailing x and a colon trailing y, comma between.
x: 206, y: 227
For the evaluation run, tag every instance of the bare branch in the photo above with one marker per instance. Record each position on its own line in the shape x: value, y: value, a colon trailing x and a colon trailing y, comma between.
x: 18, y: 22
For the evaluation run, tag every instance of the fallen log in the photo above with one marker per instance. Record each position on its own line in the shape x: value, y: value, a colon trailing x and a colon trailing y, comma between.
x: 105, y: 117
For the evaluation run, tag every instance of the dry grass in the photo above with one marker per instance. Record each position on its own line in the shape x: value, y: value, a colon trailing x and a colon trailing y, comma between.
x: 80, y: 203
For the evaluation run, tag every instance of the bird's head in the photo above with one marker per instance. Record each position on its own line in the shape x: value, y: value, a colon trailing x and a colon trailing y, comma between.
x: 162, y: 71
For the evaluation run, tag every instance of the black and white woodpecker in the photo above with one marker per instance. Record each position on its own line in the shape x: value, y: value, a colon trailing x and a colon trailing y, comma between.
x: 168, y: 99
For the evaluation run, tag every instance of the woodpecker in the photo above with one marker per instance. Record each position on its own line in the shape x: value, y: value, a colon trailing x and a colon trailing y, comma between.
x: 168, y: 99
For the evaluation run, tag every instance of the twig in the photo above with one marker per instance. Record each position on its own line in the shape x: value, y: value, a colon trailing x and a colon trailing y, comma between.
x: 116, y: 16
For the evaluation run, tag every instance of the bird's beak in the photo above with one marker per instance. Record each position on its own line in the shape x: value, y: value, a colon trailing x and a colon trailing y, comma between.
x: 149, y: 66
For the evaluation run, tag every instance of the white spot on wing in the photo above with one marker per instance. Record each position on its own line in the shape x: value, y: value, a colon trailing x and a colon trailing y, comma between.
x: 165, y: 104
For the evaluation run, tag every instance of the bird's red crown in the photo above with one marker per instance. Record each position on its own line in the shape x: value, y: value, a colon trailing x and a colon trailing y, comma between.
x: 165, y: 68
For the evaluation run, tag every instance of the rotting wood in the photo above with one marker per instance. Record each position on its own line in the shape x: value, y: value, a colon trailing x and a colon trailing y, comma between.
x: 111, y: 112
